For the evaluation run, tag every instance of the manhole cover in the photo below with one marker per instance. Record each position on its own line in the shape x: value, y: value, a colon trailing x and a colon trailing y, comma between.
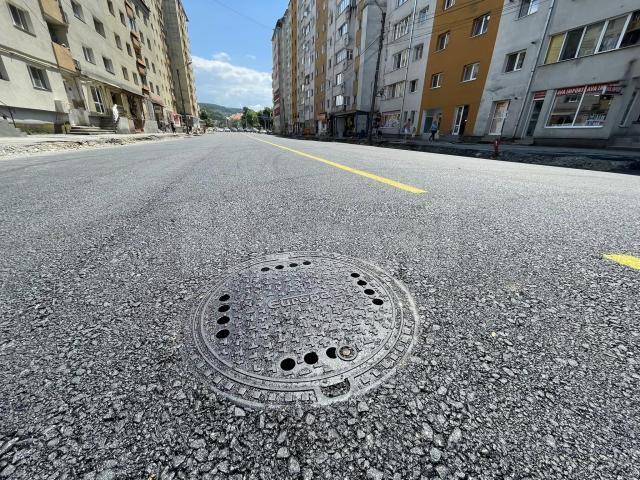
x: 301, y: 327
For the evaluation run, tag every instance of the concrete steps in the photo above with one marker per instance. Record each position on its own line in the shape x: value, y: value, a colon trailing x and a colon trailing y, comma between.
x: 8, y: 130
x: 84, y: 130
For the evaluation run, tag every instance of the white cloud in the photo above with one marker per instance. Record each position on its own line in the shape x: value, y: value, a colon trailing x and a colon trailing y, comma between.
x: 250, y: 57
x: 219, y: 81
x: 225, y: 57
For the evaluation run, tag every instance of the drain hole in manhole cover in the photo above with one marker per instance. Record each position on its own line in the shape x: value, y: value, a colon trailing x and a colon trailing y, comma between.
x: 297, y: 328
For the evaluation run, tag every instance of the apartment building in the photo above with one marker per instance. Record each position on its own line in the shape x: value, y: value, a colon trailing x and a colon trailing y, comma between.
x: 278, y: 75
x: 93, y: 64
x: 408, y: 33
x: 177, y: 40
x: 586, y: 87
x: 353, y: 32
x: 320, y: 68
x: 306, y: 66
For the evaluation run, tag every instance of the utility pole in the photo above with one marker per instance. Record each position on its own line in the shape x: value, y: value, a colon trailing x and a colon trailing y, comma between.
x: 374, y: 93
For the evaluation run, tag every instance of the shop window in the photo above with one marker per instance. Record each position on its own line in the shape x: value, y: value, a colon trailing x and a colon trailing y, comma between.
x: 583, y: 107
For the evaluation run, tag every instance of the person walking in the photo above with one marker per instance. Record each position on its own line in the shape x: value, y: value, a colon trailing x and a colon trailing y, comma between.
x: 434, y: 130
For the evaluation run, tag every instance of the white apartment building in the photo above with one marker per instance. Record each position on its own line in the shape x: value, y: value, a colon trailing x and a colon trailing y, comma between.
x: 353, y: 32
x: 306, y: 66
x: 408, y: 34
x: 71, y: 64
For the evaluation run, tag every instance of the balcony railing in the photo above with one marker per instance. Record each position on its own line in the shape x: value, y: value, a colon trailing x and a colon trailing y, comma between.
x: 52, y: 12
x: 63, y: 57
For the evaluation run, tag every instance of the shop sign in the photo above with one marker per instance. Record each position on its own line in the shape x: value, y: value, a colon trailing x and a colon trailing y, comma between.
x: 611, y: 88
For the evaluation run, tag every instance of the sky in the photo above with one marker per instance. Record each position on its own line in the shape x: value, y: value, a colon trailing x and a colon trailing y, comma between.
x: 231, y: 49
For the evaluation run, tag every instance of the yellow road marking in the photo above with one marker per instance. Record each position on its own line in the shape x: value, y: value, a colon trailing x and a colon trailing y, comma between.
x: 377, y: 178
x: 626, y: 260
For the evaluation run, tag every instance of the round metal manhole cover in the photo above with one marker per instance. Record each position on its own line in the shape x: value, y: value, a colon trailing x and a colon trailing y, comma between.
x: 301, y: 327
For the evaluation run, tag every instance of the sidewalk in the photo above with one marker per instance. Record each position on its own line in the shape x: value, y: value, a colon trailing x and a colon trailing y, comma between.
x: 601, y: 159
x: 31, y: 144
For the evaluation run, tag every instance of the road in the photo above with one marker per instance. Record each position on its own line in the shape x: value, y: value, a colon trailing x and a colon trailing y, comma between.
x: 526, y: 363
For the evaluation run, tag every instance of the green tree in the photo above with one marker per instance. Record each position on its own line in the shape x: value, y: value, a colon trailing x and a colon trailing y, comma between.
x: 206, y: 119
x: 249, y: 118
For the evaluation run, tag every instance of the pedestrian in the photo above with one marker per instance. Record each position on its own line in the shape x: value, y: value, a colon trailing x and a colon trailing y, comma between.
x: 434, y: 130
x: 173, y: 126
x: 406, y: 130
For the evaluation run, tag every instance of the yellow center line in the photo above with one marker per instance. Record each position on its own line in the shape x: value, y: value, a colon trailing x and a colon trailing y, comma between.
x: 377, y: 178
x: 626, y: 260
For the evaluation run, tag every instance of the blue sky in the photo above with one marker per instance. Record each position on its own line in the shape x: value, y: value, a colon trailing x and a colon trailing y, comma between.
x: 231, y: 49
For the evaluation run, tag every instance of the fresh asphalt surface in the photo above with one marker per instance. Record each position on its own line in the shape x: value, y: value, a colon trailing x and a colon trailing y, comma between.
x: 526, y: 365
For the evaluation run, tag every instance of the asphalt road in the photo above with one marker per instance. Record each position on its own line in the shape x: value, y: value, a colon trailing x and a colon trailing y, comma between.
x: 526, y: 365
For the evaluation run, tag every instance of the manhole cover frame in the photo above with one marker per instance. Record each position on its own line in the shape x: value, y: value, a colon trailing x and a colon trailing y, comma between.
x: 232, y: 384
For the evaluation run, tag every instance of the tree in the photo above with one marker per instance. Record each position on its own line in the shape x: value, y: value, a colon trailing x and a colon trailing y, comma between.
x: 249, y: 118
x: 204, y: 116
x: 264, y: 117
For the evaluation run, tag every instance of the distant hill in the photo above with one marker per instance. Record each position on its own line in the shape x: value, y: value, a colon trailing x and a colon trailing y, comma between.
x: 218, y: 112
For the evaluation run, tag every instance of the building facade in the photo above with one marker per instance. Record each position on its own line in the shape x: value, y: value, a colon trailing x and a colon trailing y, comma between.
x: 535, y: 71
x: 86, y: 66
x: 408, y: 26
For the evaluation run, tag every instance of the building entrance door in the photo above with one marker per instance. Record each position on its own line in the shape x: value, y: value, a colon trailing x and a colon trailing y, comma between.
x: 499, y: 116
x: 460, y: 119
x: 534, y: 115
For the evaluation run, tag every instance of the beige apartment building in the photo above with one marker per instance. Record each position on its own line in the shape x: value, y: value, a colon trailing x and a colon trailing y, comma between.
x: 87, y: 66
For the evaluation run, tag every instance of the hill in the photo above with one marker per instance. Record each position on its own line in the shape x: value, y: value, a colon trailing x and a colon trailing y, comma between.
x: 218, y: 112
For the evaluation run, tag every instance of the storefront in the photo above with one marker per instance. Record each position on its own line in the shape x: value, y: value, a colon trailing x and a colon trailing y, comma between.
x: 585, y: 106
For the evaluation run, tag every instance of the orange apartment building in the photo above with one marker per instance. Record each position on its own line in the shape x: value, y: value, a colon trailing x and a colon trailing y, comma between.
x: 320, y: 66
x: 461, y: 47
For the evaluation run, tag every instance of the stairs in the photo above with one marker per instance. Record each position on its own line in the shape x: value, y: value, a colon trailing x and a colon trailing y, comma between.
x: 83, y: 130
x: 8, y: 130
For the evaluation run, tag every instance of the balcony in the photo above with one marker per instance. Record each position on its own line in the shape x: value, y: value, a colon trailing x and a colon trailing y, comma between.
x: 135, y: 40
x: 52, y: 12
x: 142, y: 67
x: 63, y: 57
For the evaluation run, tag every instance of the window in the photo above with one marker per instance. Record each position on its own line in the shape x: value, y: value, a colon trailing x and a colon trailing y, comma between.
x: 422, y: 15
x: 20, y: 18
x: 148, y: 43
x: 38, y: 78
x: 3, y: 71
x: 391, y: 119
x: 480, y: 25
x: 338, y: 100
x: 339, y: 78
x: 125, y: 73
x: 96, y: 95
x: 343, y: 55
x: 401, y: 28
x: 417, y: 52
x: 132, y: 24
x: 527, y: 7
x: 571, y: 44
x: 123, y: 20
x: 470, y: 72
x: 604, y: 36
x: 77, y: 10
x: 108, y: 64
x: 343, y: 29
x: 395, y: 90
x: 110, y: 7
x: 448, y: 4
x: 413, y: 86
x: 580, y: 107
x: 88, y: 54
x: 343, y: 5
x: 129, y: 50
x: 514, y: 61
x: 400, y: 2
x: 632, y: 35
x: 612, y: 33
x: 99, y: 26
x: 141, y: 37
x: 118, y: 42
x: 153, y: 67
x: 400, y: 59
x: 135, y: 78
x: 442, y: 42
x: 436, y: 80
x: 157, y: 90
